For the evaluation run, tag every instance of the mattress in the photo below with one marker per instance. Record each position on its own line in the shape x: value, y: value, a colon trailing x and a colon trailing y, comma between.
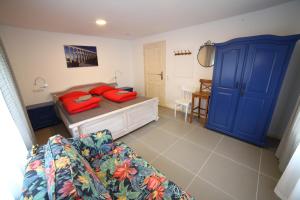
x: 105, y: 107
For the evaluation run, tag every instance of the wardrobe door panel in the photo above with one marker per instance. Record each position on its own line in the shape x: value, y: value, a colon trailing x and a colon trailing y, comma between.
x: 229, y: 68
x: 261, y: 78
x: 264, y: 67
x: 221, y: 114
x: 250, y: 117
x: 225, y: 89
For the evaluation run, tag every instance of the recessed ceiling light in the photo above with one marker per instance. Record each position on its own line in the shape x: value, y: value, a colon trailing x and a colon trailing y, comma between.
x: 101, y: 22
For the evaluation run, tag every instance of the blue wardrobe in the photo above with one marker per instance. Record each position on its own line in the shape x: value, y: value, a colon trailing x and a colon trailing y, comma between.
x: 247, y: 77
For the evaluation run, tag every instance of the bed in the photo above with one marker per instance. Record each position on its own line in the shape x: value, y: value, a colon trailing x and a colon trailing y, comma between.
x: 119, y: 118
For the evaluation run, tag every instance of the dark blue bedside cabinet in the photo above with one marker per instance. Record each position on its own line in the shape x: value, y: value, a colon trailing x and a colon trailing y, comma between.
x: 42, y: 115
x: 129, y: 89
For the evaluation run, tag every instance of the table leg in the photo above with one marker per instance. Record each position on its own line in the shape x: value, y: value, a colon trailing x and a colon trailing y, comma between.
x: 192, y: 109
x: 199, y: 107
x: 207, y: 106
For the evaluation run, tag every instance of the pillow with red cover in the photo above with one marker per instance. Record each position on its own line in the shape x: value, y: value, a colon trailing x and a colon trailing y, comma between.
x: 117, y: 96
x: 75, y: 107
x: 73, y: 95
x: 101, y: 89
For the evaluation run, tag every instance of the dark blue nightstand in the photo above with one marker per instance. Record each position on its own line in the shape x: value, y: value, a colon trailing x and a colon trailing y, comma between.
x: 42, y: 115
x: 129, y: 89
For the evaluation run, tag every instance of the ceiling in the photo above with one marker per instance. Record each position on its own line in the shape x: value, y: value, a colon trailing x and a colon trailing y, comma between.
x: 126, y: 19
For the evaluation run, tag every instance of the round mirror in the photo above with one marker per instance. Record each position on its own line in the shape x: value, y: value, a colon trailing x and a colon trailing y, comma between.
x: 206, y: 54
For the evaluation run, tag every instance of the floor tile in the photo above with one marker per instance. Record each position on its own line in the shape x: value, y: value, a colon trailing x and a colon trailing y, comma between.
x: 269, y: 164
x: 187, y: 154
x: 266, y: 188
x: 143, y: 151
x: 204, y: 137
x: 200, y: 189
x: 232, y: 178
x: 166, y: 112
x: 169, y: 113
x: 42, y: 135
x: 158, y: 139
x: 240, y: 151
x: 128, y: 139
x: 173, y: 172
x: 162, y: 120
x: 180, y: 116
x: 138, y: 133
x: 177, y: 128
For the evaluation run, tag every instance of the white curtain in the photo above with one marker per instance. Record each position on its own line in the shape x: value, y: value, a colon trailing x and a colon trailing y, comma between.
x: 288, y: 186
x: 13, y: 101
x: 16, y: 134
x: 13, y: 154
x: 288, y: 152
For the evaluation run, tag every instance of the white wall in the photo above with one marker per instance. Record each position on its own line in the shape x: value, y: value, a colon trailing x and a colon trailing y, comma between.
x: 38, y: 53
x: 279, y: 20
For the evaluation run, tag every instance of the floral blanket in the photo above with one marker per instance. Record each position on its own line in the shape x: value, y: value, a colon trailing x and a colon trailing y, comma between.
x: 94, y: 167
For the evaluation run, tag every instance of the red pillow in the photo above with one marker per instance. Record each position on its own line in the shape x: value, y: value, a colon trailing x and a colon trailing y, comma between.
x: 95, y: 105
x: 101, y: 89
x: 115, y: 96
x: 73, y: 107
x: 74, y: 94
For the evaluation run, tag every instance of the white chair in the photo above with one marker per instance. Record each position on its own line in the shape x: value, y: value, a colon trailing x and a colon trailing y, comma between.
x: 185, y: 101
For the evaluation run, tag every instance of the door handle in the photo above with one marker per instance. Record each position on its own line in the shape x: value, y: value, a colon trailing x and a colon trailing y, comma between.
x: 161, y: 74
x: 237, y: 84
x: 243, y: 89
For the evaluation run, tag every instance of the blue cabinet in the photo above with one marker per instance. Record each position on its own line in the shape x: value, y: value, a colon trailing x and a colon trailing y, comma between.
x: 246, y: 81
x: 42, y: 115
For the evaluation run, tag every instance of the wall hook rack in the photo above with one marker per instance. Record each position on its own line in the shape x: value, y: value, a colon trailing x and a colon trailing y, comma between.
x: 182, y: 52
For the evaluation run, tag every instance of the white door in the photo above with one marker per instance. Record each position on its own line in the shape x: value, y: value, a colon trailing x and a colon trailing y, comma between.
x: 155, y: 64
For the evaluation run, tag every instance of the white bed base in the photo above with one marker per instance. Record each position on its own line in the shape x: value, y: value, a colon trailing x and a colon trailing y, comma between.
x: 120, y: 122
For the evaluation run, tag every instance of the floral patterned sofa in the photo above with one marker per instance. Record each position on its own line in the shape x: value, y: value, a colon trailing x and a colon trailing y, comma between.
x: 94, y: 167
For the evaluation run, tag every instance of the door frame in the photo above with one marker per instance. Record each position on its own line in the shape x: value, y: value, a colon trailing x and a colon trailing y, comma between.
x: 163, y: 46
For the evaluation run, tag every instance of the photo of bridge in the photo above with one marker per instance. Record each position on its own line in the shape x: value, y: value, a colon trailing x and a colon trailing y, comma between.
x: 81, y: 56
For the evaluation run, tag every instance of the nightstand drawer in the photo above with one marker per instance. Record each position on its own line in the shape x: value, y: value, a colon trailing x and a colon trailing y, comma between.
x: 42, y: 115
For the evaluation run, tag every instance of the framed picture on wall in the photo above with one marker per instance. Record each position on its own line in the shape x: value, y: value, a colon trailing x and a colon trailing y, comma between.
x: 81, y: 56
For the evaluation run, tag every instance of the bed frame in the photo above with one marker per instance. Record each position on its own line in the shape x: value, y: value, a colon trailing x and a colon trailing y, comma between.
x: 120, y: 122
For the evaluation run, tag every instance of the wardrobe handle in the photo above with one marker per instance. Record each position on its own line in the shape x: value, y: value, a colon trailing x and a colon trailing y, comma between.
x: 243, y: 89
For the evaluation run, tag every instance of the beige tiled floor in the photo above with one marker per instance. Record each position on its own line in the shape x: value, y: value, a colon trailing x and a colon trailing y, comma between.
x: 207, y: 164
x: 42, y: 135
